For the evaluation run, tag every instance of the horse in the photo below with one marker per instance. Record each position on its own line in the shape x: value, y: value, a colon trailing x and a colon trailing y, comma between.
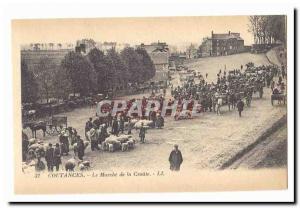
x: 35, y: 126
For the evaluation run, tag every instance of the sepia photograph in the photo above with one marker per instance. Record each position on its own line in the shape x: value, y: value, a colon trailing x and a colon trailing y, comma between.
x: 151, y: 104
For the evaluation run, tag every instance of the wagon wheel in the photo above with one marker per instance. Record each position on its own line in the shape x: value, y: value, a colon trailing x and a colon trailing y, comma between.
x: 50, y: 130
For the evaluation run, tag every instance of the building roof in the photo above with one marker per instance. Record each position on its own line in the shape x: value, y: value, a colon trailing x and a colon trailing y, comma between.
x: 225, y: 36
x: 159, y: 58
x: 156, y: 47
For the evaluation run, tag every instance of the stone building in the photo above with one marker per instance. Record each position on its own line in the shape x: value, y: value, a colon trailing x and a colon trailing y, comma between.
x: 159, y: 54
x: 221, y: 44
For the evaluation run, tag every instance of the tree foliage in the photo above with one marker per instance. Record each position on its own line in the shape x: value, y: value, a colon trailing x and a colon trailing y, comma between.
x: 99, y: 63
x: 147, y: 67
x: 80, y: 72
x: 95, y: 72
x: 118, y: 72
x: 268, y: 29
x: 46, y: 76
x: 133, y: 61
x: 29, y: 86
x: 62, y: 83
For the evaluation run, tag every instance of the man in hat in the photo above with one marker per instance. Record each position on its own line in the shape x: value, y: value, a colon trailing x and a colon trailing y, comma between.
x: 94, y: 139
x: 121, y: 124
x: 115, y: 127
x: 142, y: 133
x: 159, y: 121
x: 88, y: 126
x: 49, y: 156
x: 175, y: 159
x: 129, y: 126
x: 80, y: 148
x: 64, y: 140
x: 57, y: 156
x: 240, y: 106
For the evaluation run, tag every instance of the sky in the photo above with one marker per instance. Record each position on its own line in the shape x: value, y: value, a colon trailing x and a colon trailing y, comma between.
x: 173, y: 30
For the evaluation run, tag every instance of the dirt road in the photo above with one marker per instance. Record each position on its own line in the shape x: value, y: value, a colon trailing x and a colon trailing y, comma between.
x: 272, y: 152
x: 206, y: 142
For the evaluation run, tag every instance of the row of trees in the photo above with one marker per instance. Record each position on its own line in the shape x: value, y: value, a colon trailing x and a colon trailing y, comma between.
x: 95, y: 72
x: 268, y: 29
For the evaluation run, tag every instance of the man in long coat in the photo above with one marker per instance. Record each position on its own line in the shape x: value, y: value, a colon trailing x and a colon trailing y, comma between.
x: 240, y: 106
x: 94, y: 139
x: 142, y: 133
x: 64, y: 140
x: 121, y: 124
x: 175, y: 159
x: 80, y: 146
x: 57, y: 156
x: 115, y: 127
x: 49, y: 156
x: 88, y: 126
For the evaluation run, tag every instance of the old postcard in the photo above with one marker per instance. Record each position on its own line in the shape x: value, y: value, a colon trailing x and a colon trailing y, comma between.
x: 150, y: 104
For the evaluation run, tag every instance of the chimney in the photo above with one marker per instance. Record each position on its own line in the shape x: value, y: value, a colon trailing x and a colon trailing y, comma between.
x: 212, y: 32
x: 229, y: 32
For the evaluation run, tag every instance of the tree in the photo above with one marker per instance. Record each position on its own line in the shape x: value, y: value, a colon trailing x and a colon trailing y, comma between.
x: 62, y: 85
x: 268, y: 29
x: 133, y: 61
x: 29, y: 86
x: 118, y: 70
x: 45, y: 75
x: 191, y: 51
x: 80, y: 72
x: 147, y: 66
x: 253, y: 27
x: 99, y: 63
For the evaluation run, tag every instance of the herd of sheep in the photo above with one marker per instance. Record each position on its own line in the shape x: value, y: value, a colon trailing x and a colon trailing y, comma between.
x: 37, y: 148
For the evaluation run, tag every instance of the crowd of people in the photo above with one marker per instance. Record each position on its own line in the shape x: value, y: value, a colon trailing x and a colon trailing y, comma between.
x: 231, y: 88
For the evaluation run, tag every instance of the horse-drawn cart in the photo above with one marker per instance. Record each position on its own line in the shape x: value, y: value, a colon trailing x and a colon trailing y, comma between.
x: 52, y: 126
x: 280, y: 97
x: 55, y: 124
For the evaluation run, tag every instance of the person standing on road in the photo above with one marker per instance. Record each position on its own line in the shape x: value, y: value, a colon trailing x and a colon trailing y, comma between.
x: 142, y: 133
x: 159, y: 121
x: 57, y: 157
x: 49, y: 156
x: 64, y: 140
x: 115, y: 127
x: 94, y: 139
x: 122, y: 124
x: 88, y: 126
x: 240, y: 106
x: 80, y: 148
x: 175, y: 159
x: 129, y: 126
